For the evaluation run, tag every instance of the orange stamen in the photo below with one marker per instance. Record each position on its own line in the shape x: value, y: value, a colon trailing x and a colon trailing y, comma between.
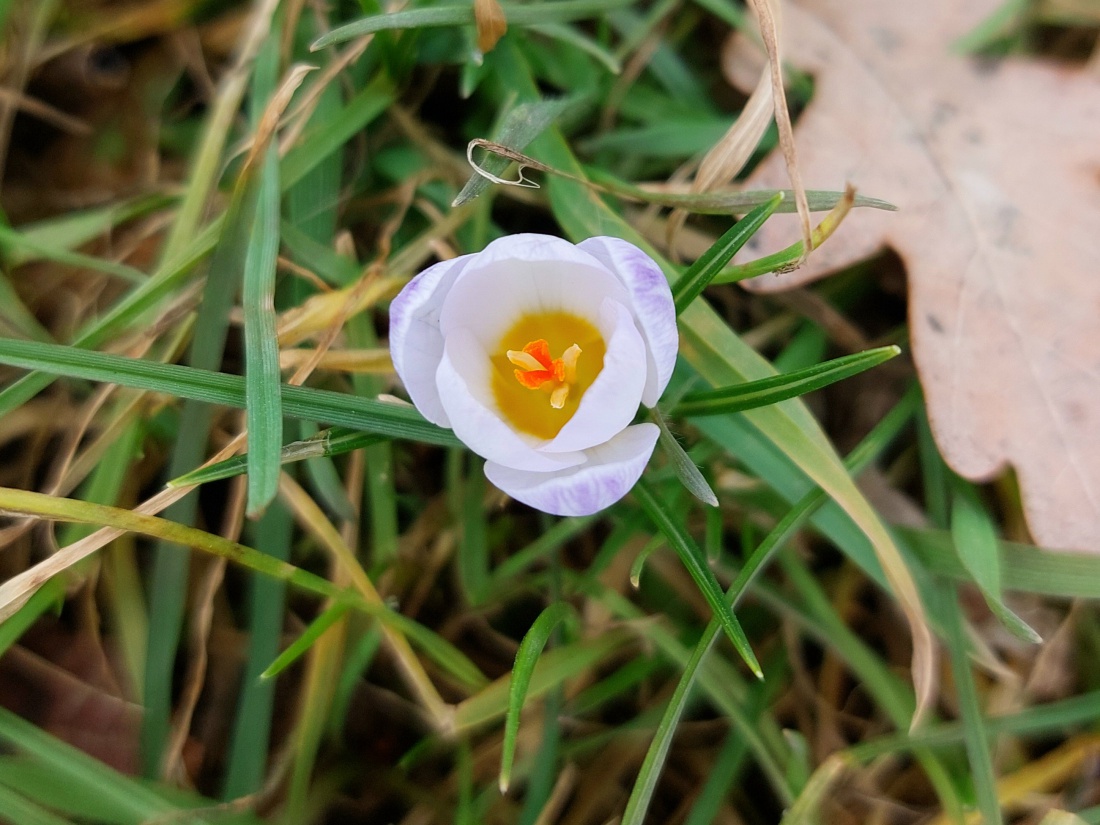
x: 536, y: 369
x: 534, y: 378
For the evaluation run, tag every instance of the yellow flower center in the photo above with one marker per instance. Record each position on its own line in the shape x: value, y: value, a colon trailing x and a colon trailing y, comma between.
x: 535, y: 392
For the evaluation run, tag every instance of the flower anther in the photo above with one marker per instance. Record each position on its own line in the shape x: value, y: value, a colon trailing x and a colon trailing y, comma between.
x: 538, y: 353
x: 537, y: 370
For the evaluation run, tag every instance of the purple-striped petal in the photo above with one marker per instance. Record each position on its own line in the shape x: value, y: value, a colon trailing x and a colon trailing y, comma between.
x: 606, y: 476
x: 416, y: 344
x: 651, y: 303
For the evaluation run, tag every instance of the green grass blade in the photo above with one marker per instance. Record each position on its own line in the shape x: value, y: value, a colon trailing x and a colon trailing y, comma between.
x: 308, y: 231
x: 765, y: 391
x: 813, y: 609
x: 686, y: 469
x: 792, y: 521
x: 12, y: 241
x: 542, y: 776
x: 326, y: 443
x: 639, y: 563
x: 572, y: 36
x: 976, y: 543
x: 357, y: 659
x: 1001, y: 24
x: 186, y: 248
x: 520, y: 126
x: 438, y: 649
x: 661, y: 140
x: 331, y: 266
x: 1044, y: 572
x: 727, y: 203
x: 538, y: 550
x: 1039, y: 721
x: 320, y: 141
x: 561, y: 11
x: 982, y: 771
x: 669, y: 140
x: 617, y: 684
x: 368, y: 415
x: 805, y: 809
x: 381, y: 496
x: 250, y: 741
x: 466, y: 497
x: 73, y: 229
x: 330, y: 616
x: 264, y: 410
x: 126, y: 311
x: 17, y: 808
x: 553, y: 668
x: 171, y: 564
x: 465, y: 807
x: 126, y: 606
x: 934, y: 475
x: 445, y: 654
x: 12, y: 629
x: 693, y: 559
x: 722, y: 685
x: 322, y: 673
x: 15, y: 315
x: 728, y: 764
x: 692, y: 283
x: 208, y: 162
x: 526, y: 658
x: 101, y: 515
x: 79, y: 771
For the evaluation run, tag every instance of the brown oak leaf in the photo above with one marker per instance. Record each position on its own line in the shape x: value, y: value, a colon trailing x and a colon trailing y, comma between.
x: 995, y: 166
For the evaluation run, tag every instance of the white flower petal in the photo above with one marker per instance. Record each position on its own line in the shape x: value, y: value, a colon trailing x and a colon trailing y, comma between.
x: 608, y: 474
x: 650, y: 301
x: 522, y: 274
x: 416, y: 344
x: 463, y: 382
x: 611, y: 402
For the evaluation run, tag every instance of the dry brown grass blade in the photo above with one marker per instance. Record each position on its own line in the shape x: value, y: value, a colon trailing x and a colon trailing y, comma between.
x: 563, y: 788
x: 137, y: 21
x: 26, y: 30
x: 768, y: 14
x: 44, y: 112
x: 202, y: 620
x: 302, y: 112
x: 365, y: 292
x: 320, y: 311
x: 728, y: 157
x: 223, y: 110
x: 491, y: 24
x: 315, y: 522
x: 269, y: 121
x: 1041, y: 777
x: 16, y: 590
x: 372, y: 361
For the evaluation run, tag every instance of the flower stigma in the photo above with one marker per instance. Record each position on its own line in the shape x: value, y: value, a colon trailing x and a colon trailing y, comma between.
x: 534, y: 391
x: 537, y: 369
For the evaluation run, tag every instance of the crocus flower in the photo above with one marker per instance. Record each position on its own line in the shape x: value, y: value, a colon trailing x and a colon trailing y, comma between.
x: 537, y: 354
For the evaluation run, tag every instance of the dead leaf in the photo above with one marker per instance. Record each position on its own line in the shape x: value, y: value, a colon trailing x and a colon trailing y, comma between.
x: 996, y: 169
x: 63, y: 680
